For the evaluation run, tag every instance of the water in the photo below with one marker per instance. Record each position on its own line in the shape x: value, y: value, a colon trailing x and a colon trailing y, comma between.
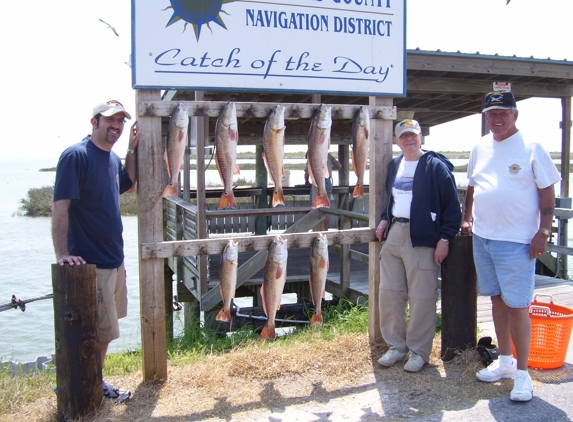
x: 26, y: 256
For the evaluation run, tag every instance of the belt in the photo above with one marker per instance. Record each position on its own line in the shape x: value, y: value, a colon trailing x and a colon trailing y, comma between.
x: 400, y: 220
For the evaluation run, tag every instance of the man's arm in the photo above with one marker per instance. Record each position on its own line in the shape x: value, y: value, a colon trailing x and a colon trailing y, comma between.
x: 60, y: 225
x: 131, y: 157
x: 467, y: 217
x: 546, y: 212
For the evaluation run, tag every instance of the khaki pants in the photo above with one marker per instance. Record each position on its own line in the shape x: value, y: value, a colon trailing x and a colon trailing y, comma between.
x: 408, y: 277
x: 112, y: 301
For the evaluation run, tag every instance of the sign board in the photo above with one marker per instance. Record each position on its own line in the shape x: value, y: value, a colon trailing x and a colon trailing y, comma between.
x: 352, y: 47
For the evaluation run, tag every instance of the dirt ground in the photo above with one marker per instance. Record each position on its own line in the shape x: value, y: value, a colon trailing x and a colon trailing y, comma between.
x: 338, y: 380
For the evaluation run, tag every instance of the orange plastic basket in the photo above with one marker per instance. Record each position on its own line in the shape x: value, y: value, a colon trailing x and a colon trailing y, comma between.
x: 550, y: 333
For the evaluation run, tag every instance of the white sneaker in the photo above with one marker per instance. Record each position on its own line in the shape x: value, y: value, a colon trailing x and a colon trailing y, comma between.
x: 391, y: 357
x: 415, y: 363
x: 522, y: 387
x: 497, y: 370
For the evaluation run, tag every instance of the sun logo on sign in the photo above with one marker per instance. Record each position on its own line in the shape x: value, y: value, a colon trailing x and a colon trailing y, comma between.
x: 197, y: 13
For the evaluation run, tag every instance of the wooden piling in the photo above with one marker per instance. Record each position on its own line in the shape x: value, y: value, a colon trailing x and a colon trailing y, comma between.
x: 78, y: 359
x: 459, y: 298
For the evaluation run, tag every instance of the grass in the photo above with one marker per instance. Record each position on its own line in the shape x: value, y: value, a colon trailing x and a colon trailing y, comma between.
x: 239, y: 377
x: 196, y: 345
x: 38, y: 203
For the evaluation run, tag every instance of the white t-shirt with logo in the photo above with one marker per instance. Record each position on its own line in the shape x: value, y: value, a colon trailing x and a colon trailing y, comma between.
x: 505, y: 176
x: 402, y: 189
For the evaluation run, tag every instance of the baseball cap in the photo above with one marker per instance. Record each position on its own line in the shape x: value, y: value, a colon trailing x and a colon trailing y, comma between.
x: 109, y: 108
x: 408, y: 125
x: 499, y: 100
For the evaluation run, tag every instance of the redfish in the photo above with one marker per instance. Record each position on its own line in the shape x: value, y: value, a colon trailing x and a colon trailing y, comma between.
x: 360, y: 145
x: 274, y: 279
x: 175, y: 150
x: 318, y: 146
x: 226, y: 140
x: 273, y: 144
x: 319, y: 263
x: 228, y: 279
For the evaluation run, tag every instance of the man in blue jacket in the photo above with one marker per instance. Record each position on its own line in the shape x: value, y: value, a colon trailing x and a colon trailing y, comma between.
x: 422, y: 215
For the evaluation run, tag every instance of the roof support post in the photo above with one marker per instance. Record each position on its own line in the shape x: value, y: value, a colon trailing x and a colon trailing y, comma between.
x: 150, y: 229
x: 380, y: 155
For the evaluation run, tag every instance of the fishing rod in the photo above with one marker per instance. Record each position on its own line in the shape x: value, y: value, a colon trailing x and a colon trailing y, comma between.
x: 18, y: 303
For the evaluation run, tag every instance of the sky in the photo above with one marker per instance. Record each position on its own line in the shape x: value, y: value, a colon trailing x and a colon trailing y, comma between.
x: 58, y: 61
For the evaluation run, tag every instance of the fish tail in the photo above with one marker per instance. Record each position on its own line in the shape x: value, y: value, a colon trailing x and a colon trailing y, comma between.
x: 268, y: 332
x: 171, y: 190
x: 278, y: 197
x: 320, y: 201
x: 224, y: 315
x: 316, y: 320
x: 227, y: 201
x: 358, y: 191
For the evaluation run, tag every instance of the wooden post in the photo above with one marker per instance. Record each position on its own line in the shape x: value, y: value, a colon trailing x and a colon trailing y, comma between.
x: 168, y: 280
x: 459, y: 298
x: 78, y: 360
x: 150, y: 223
x: 261, y: 222
x: 565, y: 169
x: 202, y: 223
x: 380, y: 155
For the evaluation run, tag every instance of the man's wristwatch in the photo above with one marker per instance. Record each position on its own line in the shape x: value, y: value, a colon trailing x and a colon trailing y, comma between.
x: 130, y: 151
x: 546, y: 232
x: 443, y: 239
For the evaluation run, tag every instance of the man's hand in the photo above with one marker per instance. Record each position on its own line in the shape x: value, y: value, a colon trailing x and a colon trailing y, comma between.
x: 70, y: 259
x: 382, y: 230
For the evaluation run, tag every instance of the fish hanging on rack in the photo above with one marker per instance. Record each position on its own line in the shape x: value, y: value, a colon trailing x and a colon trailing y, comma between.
x: 317, y: 155
x: 273, y: 156
x: 175, y: 148
x: 228, y: 279
x: 274, y: 278
x: 226, y: 140
x: 319, y: 264
x: 360, y: 144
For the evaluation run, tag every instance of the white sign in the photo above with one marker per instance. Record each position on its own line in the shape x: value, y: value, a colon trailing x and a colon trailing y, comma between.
x: 354, y: 47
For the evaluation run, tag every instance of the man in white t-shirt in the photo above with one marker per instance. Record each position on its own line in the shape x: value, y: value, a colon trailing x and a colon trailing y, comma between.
x: 512, y: 198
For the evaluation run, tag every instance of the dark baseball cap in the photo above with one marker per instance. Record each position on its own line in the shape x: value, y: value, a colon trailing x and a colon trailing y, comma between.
x: 499, y: 100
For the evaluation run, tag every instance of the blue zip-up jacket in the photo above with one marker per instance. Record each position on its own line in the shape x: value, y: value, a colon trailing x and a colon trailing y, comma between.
x: 435, y: 212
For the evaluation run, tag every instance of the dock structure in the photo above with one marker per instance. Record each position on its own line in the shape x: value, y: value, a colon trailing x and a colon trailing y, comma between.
x: 175, y: 234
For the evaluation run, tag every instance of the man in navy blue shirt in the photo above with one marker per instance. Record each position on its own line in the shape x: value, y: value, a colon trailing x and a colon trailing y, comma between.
x: 86, y: 221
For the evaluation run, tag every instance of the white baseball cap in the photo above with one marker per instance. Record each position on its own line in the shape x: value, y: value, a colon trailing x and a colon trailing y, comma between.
x: 109, y: 108
x: 408, y: 125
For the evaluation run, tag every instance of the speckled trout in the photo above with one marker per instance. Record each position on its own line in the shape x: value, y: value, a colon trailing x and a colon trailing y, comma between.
x: 226, y: 140
x: 319, y: 263
x: 318, y: 145
x: 228, y: 279
x: 360, y: 145
x: 273, y: 284
x: 175, y: 149
x: 273, y: 144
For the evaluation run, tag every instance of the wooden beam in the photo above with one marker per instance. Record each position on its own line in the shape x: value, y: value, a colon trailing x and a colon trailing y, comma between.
x: 150, y: 224
x: 154, y: 250
x: 258, y: 110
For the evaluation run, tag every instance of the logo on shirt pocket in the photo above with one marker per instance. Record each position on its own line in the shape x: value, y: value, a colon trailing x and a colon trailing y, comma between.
x: 514, y: 168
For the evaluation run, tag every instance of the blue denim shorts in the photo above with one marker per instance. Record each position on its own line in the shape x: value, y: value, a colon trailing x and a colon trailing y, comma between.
x: 504, y: 268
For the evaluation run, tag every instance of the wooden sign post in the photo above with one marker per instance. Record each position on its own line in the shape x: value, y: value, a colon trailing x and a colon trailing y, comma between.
x: 78, y: 360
